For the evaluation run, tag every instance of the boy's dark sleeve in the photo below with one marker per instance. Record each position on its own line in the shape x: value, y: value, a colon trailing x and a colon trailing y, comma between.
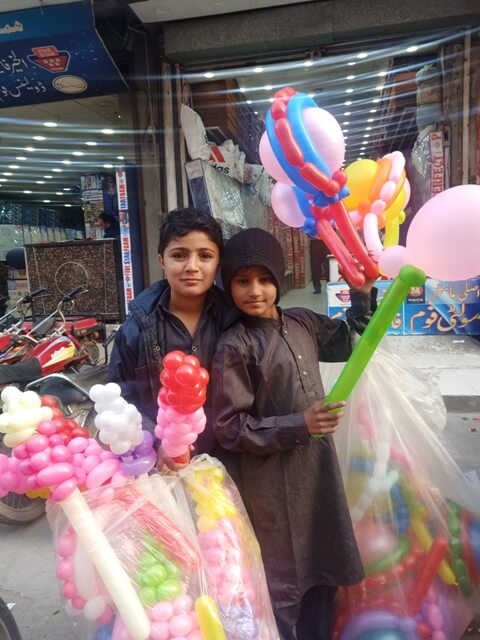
x: 361, y: 309
x: 334, y: 337
x: 122, y: 365
x: 121, y: 369
x: 233, y: 398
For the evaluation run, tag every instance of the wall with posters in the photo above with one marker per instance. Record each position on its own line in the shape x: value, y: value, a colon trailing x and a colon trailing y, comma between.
x: 435, y: 308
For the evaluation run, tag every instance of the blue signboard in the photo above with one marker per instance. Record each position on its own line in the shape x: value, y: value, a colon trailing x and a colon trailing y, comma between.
x: 435, y: 308
x: 53, y: 53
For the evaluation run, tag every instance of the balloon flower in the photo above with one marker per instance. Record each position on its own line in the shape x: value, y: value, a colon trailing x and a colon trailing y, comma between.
x: 379, y: 192
x: 181, y: 417
x: 42, y: 459
x: 120, y: 427
x: 442, y: 241
x: 303, y: 149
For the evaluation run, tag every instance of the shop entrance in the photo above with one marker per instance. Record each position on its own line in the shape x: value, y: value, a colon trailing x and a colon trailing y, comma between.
x: 66, y: 177
x: 417, y: 95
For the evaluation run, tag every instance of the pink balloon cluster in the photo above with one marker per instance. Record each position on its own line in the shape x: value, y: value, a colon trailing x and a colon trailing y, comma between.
x: 443, y: 238
x: 81, y: 585
x: 222, y: 554
x: 174, y: 620
x: 180, y: 417
x: 178, y: 431
x: 48, y: 463
x: 11, y: 478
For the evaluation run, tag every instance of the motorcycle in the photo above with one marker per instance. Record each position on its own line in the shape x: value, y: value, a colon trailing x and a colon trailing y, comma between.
x: 71, y: 390
x: 53, y: 344
x: 8, y: 626
x: 14, y: 323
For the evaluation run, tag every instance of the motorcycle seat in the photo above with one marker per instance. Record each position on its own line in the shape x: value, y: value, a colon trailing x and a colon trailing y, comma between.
x: 24, y: 371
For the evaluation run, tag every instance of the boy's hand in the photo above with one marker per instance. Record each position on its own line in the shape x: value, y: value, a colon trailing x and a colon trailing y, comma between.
x: 366, y: 287
x: 167, y: 465
x: 319, y: 417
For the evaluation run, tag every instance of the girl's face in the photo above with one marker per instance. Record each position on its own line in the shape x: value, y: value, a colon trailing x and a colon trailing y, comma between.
x: 254, y: 292
x: 190, y: 264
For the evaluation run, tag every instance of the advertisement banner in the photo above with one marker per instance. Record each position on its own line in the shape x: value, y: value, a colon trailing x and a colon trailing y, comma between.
x: 435, y: 308
x: 125, y: 242
x: 53, y: 53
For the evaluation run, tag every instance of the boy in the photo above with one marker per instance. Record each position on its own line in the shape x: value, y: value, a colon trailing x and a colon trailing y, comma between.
x: 185, y: 312
x: 268, y: 402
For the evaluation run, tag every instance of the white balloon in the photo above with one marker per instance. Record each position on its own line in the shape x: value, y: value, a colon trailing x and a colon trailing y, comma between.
x: 10, y: 393
x: 30, y: 400
x: 96, y: 392
x: 106, y: 436
x: 138, y: 439
x: 117, y: 405
x: 120, y: 446
x: 112, y: 390
x: 103, y: 420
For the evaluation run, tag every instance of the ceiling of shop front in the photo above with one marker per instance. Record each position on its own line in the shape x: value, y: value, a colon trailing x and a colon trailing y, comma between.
x: 353, y: 86
x: 151, y: 11
x: 47, y: 171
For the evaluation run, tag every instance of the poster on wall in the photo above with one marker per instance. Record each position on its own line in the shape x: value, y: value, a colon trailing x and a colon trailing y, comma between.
x: 52, y: 53
x: 434, y: 308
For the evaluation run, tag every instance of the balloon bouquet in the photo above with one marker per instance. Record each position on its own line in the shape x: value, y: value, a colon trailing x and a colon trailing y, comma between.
x: 140, y: 556
x: 416, y: 518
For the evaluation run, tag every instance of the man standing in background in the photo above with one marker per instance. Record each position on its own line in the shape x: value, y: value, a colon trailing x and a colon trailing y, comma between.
x: 318, y: 263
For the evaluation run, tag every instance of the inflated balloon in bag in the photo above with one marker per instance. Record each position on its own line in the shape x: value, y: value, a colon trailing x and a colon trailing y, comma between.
x: 149, y: 535
x: 416, y: 517
x: 230, y: 552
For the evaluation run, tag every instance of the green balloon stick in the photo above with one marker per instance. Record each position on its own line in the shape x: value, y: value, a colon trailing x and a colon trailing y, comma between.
x: 408, y: 277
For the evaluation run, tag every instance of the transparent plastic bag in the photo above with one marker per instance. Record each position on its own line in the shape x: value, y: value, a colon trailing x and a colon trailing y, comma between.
x: 416, y: 517
x: 149, y: 525
x: 230, y: 551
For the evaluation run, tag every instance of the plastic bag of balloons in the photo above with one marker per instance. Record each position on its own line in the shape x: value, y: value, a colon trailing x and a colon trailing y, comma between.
x: 230, y: 551
x: 416, y: 517
x: 149, y: 528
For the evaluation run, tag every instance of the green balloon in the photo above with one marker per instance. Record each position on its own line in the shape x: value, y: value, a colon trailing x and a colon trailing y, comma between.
x: 172, y: 570
x: 408, y: 277
x: 169, y: 590
x: 154, y: 575
x: 148, y: 596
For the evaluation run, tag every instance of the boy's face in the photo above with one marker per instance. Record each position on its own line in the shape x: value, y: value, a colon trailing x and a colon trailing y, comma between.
x: 190, y: 263
x: 254, y: 292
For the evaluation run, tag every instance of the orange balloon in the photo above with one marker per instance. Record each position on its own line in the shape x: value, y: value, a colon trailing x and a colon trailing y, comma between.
x: 384, y: 168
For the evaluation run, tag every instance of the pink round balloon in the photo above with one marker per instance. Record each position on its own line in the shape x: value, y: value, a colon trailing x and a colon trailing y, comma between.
x: 285, y: 206
x: 162, y: 611
x: 270, y: 162
x: 392, y: 259
x: 444, y: 236
x: 66, y: 544
x: 326, y: 135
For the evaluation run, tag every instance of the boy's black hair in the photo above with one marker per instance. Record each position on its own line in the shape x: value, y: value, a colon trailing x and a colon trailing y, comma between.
x: 180, y: 222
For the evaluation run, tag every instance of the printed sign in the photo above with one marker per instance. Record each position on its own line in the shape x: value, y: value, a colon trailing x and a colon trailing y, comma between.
x: 126, y: 245
x: 436, y: 308
x: 52, y: 53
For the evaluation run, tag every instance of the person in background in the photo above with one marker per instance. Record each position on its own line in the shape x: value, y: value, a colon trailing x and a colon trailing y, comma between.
x: 3, y: 288
x: 318, y: 263
x: 268, y: 402
x: 110, y: 225
x: 185, y: 312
